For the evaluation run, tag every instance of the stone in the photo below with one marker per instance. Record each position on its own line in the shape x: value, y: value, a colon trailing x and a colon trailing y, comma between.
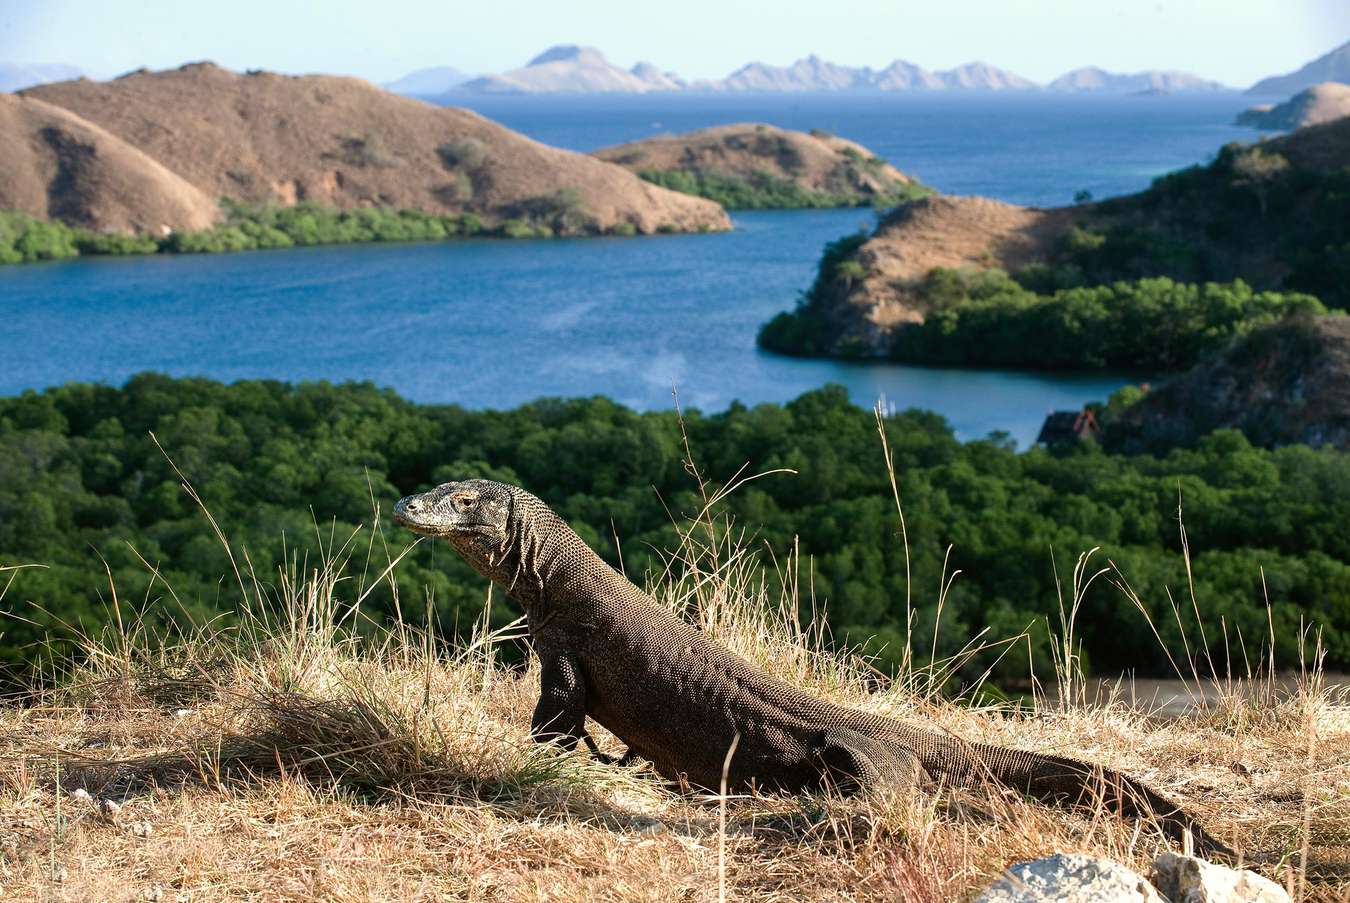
x: 1187, y: 879
x: 1070, y: 878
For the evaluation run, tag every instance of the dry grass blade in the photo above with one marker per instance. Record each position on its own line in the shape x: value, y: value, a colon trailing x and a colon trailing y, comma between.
x: 308, y: 753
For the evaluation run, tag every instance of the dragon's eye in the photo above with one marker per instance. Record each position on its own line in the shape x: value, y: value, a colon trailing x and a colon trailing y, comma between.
x: 466, y: 501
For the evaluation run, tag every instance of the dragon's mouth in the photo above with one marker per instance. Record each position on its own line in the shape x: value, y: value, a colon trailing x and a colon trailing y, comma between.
x: 430, y: 528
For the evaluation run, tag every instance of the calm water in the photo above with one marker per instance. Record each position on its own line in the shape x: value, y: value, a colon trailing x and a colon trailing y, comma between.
x: 497, y: 323
x: 1024, y: 148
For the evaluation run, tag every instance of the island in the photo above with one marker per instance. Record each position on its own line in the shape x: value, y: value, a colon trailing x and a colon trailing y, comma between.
x: 752, y: 165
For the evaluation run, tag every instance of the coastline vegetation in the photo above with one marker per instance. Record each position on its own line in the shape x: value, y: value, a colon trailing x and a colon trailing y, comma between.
x: 986, y: 318
x: 85, y: 482
x: 1192, y: 225
x: 248, y: 227
x: 765, y: 191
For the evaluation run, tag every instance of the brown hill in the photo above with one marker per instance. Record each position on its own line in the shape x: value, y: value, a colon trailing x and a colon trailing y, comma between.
x: 1312, y: 106
x: 267, y: 138
x: 1286, y: 384
x: 1270, y: 214
x: 837, y: 171
x: 940, y: 231
x: 58, y: 166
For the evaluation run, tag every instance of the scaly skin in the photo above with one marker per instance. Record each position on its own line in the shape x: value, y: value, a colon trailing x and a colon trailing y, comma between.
x: 679, y: 699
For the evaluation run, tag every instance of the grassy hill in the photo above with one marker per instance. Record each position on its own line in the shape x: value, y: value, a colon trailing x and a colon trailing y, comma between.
x: 1275, y: 215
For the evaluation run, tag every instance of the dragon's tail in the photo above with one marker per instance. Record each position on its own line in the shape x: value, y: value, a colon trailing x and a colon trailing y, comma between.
x: 1069, y: 782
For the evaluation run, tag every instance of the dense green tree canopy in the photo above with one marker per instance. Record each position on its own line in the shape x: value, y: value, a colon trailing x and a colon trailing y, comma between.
x: 284, y: 467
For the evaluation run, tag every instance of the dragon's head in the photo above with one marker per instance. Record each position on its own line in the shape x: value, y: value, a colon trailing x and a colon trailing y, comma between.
x: 468, y: 507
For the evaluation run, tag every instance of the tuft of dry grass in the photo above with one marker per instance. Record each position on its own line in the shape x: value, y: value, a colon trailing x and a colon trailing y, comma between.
x: 305, y: 755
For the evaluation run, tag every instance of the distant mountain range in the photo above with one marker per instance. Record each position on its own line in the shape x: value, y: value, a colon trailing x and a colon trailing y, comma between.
x: 569, y: 69
x: 16, y: 76
x: 1333, y: 66
x: 815, y: 74
x: 428, y: 82
x: 573, y: 69
x: 1092, y: 78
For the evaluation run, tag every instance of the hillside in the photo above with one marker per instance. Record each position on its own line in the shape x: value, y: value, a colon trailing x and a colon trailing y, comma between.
x: 1312, y: 106
x: 1095, y: 79
x: 1333, y: 66
x: 1284, y: 385
x: 1276, y: 215
x: 263, y: 138
x: 570, y: 69
x: 756, y: 165
x: 59, y: 166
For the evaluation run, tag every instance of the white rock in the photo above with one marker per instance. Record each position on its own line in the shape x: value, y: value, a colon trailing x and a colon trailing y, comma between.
x: 1186, y: 879
x: 1070, y: 878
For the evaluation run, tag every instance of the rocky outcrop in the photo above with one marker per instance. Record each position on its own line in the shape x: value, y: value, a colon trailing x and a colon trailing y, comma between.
x: 1188, y: 879
x: 1333, y: 66
x: 817, y: 163
x: 1313, y: 106
x: 1078, y: 878
x: 59, y: 166
x: 1286, y: 384
x: 273, y: 139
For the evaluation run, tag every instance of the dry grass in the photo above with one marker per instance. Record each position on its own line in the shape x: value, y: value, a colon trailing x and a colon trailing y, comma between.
x: 291, y: 759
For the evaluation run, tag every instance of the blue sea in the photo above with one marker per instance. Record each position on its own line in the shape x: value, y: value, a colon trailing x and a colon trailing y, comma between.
x: 487, y: 323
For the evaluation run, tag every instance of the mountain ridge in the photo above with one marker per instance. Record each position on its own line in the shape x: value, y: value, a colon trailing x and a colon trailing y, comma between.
x: 1332, y: 66
x: 573, y: 68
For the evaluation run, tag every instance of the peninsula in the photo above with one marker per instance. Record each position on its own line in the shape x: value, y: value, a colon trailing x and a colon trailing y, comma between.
x: 1311, y: 106
x: 955, y: 280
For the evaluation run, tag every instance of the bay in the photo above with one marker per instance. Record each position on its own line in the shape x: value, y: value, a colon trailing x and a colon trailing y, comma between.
x: 492, y: 324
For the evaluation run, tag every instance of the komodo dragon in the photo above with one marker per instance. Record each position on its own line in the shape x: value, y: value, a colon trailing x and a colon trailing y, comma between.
x: 679, y: 699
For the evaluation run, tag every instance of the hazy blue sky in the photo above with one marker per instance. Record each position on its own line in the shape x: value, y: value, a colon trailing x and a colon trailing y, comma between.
x: 1235, y: 41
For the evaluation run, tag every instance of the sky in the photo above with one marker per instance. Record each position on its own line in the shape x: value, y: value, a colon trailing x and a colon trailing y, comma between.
x: 1232, y: 41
